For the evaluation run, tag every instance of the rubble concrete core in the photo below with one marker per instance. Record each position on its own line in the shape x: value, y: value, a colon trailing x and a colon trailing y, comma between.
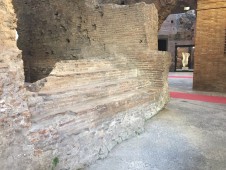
x: 87, y: 105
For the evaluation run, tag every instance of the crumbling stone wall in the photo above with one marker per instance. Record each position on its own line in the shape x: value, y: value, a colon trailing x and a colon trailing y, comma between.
x: 8, y: 24
x: 31, y: 13
x: 165, y: 7
x: 58, y: 36
x: 77, y: 33
x: 210, y: 70
x: 86, y: 106
x: 14, y: 113
x: 41, y: 44
x: 105, y: 96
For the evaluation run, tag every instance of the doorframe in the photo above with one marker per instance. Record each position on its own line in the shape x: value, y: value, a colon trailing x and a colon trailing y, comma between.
x: 176, y: 46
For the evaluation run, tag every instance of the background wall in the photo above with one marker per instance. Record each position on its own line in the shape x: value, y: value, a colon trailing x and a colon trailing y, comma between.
x: 46, y: 40
x: 210, y: 59
x: 109, y: 80
x: 178, y: 29
x: 78, y: 34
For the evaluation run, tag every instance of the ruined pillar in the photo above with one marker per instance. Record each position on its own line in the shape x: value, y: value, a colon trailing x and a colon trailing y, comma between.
x: 210, y: 53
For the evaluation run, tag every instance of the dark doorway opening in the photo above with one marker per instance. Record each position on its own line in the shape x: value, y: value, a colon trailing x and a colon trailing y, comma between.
x: 162, y: 45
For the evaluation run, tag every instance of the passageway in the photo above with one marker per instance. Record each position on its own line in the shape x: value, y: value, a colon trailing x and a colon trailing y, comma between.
x: 187, y: 135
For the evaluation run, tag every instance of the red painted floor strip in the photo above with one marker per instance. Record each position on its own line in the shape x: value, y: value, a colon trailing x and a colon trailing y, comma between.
x: 181, y: 77
x: 199, y: 97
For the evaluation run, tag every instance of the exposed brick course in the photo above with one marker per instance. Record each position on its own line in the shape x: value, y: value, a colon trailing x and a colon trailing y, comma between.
x: 86, y: 106
x: 210, y: 60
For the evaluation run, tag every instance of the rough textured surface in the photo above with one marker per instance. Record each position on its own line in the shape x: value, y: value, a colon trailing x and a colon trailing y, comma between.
x: 185, y: 135
x: 165, y: 7
x: 14, y: 113
x: 100, y: 101
x: 180, y: 137
x: 83, y: 33
x: 72, y: 31
x: 7, y: 25
x: 85, y: 106
x: 210, y: 59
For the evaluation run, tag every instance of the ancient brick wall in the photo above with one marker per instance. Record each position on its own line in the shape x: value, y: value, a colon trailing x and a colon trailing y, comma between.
x: 14, y: 113
x: 106, y: 95
x: 165, y: 7
x: 116, y: 29
x: 210, y: 59
x: 7, y: 25
x: 80, y: 33
x: 62, y: 28
x: 11, y: 65
x: 86, y: 106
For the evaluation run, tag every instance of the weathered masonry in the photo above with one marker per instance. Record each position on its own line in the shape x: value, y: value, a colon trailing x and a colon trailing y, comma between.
x: 76, y: 34
x: 96, y: 73
x: 210, y: 56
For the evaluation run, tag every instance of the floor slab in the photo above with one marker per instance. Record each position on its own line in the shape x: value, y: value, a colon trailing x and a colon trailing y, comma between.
x: 186, y: 135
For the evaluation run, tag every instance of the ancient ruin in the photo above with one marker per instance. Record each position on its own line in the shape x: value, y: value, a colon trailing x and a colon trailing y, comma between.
x: 93, y: 75
x: 210, y: 62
